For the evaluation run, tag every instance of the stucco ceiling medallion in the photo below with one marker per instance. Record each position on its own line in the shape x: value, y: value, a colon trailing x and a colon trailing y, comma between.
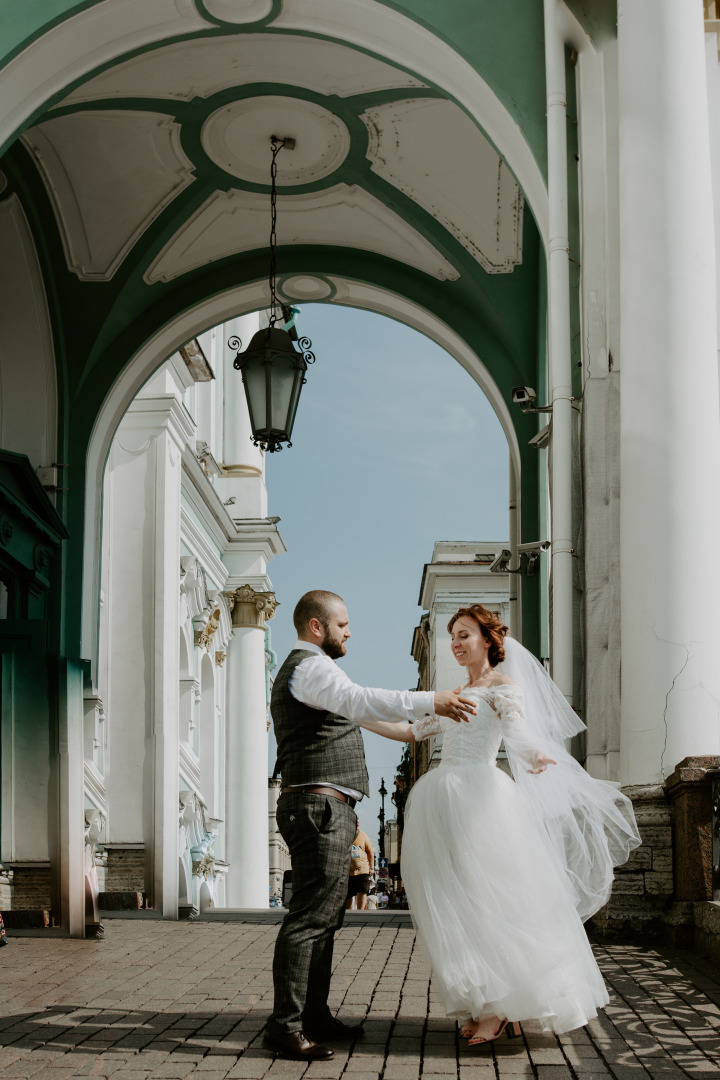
x: 238, y: 12
x: 237, y: 138
x: 304, y: 288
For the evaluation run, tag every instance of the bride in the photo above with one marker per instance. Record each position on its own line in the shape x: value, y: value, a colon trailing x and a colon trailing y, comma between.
x: 499, y: 874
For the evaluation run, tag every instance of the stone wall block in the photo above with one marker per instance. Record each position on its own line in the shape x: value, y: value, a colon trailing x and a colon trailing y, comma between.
x: 125, y: 869
x: 659, y: 884
x: 662, y: 859
x: 629, y: 885
x: 640, y: 859
x: 31, y: 888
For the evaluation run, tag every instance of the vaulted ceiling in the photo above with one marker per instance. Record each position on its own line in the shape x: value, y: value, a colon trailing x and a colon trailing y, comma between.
x: 138, y: 135
x: 171, y: 148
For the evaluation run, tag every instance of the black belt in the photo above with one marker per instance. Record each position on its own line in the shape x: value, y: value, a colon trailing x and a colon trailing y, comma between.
x: 309, y: 789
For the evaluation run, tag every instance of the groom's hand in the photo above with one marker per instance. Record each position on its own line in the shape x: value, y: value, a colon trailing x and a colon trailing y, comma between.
x: 449, y: 703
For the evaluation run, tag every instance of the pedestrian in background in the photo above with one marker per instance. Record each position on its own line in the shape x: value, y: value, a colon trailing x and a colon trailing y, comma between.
x: 362, y: 859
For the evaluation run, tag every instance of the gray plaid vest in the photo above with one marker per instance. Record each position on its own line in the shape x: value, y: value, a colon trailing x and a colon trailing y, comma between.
x: 312, y: 745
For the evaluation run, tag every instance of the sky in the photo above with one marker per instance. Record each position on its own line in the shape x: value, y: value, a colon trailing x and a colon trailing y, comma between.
x: 395, y: 446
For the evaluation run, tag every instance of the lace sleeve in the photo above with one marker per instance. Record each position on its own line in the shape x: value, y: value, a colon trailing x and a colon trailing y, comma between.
x: 423, y: 729
x: 508, y: 701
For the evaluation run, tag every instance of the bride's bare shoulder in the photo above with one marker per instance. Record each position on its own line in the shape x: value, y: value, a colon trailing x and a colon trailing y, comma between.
x: 502, y: 680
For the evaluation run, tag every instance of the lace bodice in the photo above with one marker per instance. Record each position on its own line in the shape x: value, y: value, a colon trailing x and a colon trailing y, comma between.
x: 476, y: 742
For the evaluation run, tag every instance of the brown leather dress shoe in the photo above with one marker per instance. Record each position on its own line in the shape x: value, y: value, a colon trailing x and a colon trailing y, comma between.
x: 297, y: 1046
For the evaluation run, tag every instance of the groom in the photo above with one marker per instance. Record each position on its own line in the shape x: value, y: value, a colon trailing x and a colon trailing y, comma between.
x: 317, y: 714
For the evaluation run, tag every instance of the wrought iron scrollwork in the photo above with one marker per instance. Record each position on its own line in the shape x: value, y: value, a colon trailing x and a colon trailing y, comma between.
x: 235, y: 343
x: 305, y: 345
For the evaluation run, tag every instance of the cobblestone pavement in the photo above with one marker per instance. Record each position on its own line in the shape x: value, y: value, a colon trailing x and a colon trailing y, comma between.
x: 165, y: 1001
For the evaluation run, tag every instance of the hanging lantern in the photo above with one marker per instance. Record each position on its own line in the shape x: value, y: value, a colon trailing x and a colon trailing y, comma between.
x: 273, y: 372
x: 272, y: 369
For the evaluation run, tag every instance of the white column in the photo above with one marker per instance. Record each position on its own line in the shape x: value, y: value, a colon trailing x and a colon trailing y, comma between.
x: 244, y: 463
x: 670, y: 430
x: 559, y: 367
x: 246, y: 832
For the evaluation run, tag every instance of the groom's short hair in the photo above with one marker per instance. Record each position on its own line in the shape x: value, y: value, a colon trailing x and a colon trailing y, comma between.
x: 316, y: 604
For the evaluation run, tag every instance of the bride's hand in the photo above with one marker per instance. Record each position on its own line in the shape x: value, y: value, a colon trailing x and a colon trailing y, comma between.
x: 541, y: 763
x: 449, y: 703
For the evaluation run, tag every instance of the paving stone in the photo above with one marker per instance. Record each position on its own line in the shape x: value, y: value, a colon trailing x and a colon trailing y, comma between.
x: 151, y: 1004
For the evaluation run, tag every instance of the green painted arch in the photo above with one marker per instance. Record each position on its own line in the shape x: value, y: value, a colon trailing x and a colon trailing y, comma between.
x: 94, y: 428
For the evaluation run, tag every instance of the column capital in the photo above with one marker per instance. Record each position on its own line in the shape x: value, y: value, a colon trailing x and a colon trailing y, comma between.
x: 251, y: 608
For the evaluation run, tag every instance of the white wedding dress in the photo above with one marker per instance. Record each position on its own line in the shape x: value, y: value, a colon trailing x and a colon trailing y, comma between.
x: 493, y: 893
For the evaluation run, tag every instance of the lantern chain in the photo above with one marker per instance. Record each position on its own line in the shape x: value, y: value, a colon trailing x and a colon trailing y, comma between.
x: 277, y: 145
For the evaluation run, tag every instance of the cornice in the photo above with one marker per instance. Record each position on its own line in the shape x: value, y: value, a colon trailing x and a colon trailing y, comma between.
x: 434, y: 572
x: 163, y: 411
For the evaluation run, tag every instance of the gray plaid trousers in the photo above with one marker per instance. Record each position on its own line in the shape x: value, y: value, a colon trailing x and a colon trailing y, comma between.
x: 318, y: 832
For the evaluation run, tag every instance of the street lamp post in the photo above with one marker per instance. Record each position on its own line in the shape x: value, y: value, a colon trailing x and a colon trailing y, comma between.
x: 382, y: 791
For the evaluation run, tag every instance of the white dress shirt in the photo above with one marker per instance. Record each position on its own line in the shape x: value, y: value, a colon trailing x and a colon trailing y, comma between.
x: 317, y: 681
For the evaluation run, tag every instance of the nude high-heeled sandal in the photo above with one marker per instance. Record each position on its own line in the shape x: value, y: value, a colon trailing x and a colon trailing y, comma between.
x: 511, y: 1028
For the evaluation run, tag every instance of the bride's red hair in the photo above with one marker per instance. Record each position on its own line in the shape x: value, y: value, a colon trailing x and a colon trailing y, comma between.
x: 491, y: 627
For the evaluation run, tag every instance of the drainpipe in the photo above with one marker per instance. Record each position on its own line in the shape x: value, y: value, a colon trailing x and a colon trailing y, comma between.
x: 561, y: 551
x: 514, y: 619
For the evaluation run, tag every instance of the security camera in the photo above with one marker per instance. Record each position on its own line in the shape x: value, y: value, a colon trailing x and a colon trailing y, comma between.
x: 542, y: 439
x: 501, y: 565
x: 534, y: 548
x: 532, y: 554
x: 524, y: 395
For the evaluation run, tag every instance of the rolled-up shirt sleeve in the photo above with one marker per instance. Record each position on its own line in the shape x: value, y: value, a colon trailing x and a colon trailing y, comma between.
x: 318, y: 681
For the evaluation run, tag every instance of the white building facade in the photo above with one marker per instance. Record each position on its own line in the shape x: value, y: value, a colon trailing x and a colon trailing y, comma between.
x: 176, y: 728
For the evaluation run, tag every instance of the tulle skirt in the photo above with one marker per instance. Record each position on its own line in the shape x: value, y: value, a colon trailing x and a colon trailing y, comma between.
x: 492, y: 906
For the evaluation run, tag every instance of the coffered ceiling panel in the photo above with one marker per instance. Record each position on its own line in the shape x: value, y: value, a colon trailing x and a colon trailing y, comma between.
x: 456, y: 175
x: 234, y: 221
x: 187, y: 70
x: 108, y: 175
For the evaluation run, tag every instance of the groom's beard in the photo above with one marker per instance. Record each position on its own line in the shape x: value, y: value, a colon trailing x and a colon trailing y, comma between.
x: 332, y: 647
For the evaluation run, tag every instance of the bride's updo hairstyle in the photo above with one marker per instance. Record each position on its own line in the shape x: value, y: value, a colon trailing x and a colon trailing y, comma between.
x: 491, y: 627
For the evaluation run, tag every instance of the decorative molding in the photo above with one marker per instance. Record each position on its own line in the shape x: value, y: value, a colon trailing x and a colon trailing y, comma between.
x: 204, y: 541
x: 238, y: 12
x: 236, y: 137
x: 204, y: 636
x: 202, y: 68
x: 457, y: 175
x: 305, y: 289
x: 196, y: 361
x: 193, y: 585
x: 250, y: 608
x: 94, y: 783
x: 7, y: 528
x: 231, y: 222
x: 41, y: 558
x: 100, y: 222
x: 220, y: 657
